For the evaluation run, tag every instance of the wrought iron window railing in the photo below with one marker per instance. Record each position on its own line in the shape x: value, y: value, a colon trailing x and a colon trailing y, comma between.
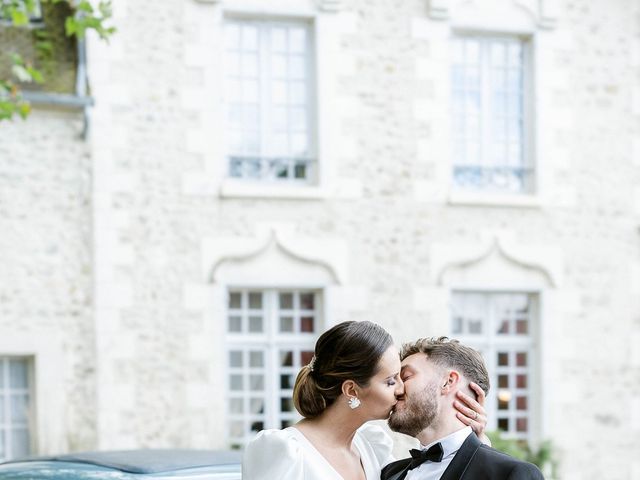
x: 272, y: 168
x: 508, y: 179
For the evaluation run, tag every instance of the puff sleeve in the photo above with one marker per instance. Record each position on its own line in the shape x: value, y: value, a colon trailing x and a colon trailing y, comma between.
x: 379, y: 441
x: 273, y: 454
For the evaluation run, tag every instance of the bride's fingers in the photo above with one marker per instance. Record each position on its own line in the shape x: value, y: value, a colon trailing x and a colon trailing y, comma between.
x: 471, y: 404
x: 478, y: 425
x: 479, y: 392
x: 470, y: 413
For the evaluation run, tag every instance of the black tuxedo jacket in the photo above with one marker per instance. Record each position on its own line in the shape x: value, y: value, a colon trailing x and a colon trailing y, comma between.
x: 474, y: 461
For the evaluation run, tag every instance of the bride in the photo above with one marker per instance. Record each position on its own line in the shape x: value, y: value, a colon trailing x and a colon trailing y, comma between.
x: 354, y: 377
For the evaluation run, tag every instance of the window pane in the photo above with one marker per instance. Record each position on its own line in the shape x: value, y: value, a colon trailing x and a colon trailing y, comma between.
x: 521, y: 425
x: 300, y: 171
x: 256, y: 405
x: 306, y: 301
x: 235, y: 358
x: 255, y: 300
x: 286, y: 324
x: 257, y: 426
x: 503, y: 381
x: 521, y: 381
x: 17, y: 373
x: 297, y: 40
x: 256, y: 359
x: 235, y: 324
x: 19, y: 443
x: 306, y: 324
x: 2, y: 400
x: 286, y: 301
x: 503, y: 424
x: 286, y: 404
x: 236, y: 405
x: 521, y: 359
x: 305, y: 357
x: 297, y: 93
x: 256, y: 383
x: 249, y: 37
x: 236, y: 382
x: 286, y: 358
x: 521, y: 403
x: 286, y: 382
x: 522, y: 327
x: 278, y: 39
x: 255, y: 324
x: 232, y: 36
x: 504, y: 327
x: 19, y: 409
x: 503, y: 359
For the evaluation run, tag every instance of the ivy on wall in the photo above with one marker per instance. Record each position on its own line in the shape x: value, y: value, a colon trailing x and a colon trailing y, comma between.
x: 42, y: 54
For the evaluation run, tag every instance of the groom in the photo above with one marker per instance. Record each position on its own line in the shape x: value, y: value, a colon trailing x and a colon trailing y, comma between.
x: 432, y: 371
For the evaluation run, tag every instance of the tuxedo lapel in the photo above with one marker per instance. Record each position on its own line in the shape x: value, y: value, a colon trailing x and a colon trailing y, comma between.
x: 459, y: 464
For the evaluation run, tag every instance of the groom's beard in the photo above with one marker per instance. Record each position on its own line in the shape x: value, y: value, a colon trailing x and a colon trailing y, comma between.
x: 420, y: 411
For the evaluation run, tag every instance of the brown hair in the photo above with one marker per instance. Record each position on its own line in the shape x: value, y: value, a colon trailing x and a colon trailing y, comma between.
x: 347, y: 351
x: 450, y: 353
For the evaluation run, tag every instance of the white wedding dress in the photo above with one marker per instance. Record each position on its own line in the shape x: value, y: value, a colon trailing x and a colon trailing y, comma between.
x: 288, y: 455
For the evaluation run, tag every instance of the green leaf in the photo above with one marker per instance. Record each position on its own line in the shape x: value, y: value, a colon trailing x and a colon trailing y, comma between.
x: 19, y: 17
x: 21, y: 73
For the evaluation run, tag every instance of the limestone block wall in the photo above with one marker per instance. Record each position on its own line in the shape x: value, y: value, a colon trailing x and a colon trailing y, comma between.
x: 110, y: 244
x: 46, y: 275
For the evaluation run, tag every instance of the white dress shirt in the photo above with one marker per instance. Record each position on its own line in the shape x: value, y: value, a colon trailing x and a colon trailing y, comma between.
x: 450, y: 446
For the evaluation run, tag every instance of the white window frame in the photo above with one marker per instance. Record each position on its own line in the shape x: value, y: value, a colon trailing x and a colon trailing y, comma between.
x: 489, y: 343
x: 265, y: 25
x: 6, y: 392
x: 271, y: 341
x: 485, y: 40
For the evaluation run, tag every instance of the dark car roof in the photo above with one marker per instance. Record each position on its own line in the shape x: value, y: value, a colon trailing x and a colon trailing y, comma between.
x: 147, y: 461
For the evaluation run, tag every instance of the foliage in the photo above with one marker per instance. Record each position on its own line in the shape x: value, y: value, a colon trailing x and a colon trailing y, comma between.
x: 543, y: 456
x: 85, y: 17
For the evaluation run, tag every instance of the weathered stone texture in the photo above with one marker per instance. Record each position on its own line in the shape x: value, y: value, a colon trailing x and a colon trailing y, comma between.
x: 45, y: 282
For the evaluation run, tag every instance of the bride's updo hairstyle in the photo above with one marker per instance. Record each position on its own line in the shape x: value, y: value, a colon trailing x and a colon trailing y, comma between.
x: 348, y: 351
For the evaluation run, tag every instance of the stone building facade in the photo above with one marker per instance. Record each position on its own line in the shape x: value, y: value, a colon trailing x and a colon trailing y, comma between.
x: 255, y: 172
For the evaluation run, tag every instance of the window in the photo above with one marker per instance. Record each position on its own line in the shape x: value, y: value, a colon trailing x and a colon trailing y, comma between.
x: 490, y: 134
x: 502, y: 327
x: 15, y: 400
x: 268, y: 69
x: 271, y: 334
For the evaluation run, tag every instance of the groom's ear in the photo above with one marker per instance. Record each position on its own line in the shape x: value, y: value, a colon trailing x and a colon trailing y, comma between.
x: 451, y: 382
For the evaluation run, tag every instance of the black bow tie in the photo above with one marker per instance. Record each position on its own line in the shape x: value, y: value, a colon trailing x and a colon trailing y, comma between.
x: 418, y: 457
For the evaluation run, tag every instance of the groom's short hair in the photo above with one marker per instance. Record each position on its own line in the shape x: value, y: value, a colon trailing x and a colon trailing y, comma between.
x: 450, y: 353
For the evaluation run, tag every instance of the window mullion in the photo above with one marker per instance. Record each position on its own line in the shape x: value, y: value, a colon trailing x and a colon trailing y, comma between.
x: 265, y: 100
x: 486, y: 155
x: 271, y: 371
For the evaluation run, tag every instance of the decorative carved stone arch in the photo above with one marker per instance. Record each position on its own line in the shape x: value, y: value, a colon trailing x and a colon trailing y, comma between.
x: 497, y: 260
x: 541, y: 13
x: 276, y: 256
